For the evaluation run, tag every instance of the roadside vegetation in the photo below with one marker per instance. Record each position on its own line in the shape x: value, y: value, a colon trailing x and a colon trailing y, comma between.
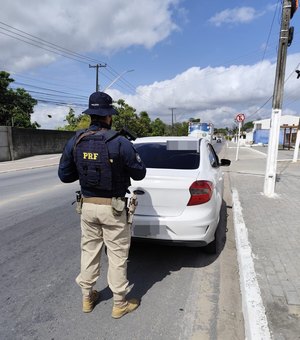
x: 16, y: 107
x: 139, y: 124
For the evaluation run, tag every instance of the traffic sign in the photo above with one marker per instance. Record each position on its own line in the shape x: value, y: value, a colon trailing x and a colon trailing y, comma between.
x: 240, y: 117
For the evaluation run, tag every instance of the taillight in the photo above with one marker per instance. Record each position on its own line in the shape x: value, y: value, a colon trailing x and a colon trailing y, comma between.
x: 201, y: 192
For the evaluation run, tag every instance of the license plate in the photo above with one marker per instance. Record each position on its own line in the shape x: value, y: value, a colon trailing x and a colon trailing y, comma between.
x: 145, y: 230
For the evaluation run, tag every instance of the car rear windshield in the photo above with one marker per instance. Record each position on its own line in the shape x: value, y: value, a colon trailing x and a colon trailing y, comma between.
x: 156, y: 155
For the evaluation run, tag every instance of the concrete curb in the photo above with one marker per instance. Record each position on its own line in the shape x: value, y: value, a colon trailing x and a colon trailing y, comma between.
x: 256, y: 324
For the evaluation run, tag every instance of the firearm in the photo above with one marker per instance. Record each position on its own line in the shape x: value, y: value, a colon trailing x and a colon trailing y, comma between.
x: 126, y: 133
x: 133, y: 202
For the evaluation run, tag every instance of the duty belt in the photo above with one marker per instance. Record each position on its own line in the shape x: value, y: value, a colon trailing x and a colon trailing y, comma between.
x: 97, y: 200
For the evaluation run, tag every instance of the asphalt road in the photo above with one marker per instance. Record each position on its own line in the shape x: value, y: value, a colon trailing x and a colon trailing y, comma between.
x: 185, y: 293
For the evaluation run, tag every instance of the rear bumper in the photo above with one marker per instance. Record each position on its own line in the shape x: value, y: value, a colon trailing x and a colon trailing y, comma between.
x: 190, y: 232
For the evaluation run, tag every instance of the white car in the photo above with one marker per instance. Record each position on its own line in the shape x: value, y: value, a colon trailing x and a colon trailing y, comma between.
x: 180, y: 198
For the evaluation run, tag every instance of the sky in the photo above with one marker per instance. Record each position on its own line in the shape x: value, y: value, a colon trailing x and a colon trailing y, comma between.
x: 196, y: 58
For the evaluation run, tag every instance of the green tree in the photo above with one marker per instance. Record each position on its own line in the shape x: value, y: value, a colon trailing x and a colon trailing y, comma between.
x: 158, y: 127
x: 194, y: 120
x: 82, y: 121
x: 221, y: 131
x: 126, y: 118
x: 16, y: 106
x: 181, y: 129
x: 5, y: 98
x: 248, y: 125
x: 138, y: 124
x: 144, y: 123
x: 72, y: 121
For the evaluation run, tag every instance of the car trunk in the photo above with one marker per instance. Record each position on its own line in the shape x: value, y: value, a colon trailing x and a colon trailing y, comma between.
x: 163, y: 192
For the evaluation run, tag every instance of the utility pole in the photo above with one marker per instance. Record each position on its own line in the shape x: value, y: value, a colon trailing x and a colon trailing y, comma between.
x: 284, y: 42
x: 172, y: 109
x: 296, y: 150
x: 240, y: 117
x: 97, y: 72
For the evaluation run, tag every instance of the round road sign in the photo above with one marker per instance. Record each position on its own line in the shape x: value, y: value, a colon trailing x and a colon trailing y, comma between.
x: 240, y: 117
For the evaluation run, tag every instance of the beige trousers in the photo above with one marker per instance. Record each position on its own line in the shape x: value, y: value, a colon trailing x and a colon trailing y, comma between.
x: 99, y: 226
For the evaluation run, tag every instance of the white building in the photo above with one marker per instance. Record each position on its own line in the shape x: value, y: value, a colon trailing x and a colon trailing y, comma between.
x: 288, y: 130
x: 286, y: 120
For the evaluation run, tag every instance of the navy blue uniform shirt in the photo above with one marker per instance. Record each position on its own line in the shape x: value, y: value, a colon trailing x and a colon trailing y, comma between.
x: 133, y: 167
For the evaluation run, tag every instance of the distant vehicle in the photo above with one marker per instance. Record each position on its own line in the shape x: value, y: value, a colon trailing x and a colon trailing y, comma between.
x: 201, y: 130
x: 179, y: 200
x: 219, y: 140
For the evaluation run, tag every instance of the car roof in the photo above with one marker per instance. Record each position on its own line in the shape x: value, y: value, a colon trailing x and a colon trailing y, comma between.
x: 161, y: 139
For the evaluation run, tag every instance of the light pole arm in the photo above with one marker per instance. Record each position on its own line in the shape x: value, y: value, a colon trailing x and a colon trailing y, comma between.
x: 116, y: 79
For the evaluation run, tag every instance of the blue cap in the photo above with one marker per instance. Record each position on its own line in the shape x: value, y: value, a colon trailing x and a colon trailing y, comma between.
x: 100, y: 104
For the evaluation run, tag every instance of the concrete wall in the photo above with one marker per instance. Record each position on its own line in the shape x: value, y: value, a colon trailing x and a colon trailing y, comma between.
x: 16, y: 143
x: 5, y: 142
x: 262, y: 136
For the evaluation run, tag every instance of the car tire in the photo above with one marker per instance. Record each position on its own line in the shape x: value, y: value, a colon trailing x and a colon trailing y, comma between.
x: 211, y: 248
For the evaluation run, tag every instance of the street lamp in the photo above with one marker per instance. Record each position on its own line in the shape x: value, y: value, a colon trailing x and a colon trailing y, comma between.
x: 116, y: 79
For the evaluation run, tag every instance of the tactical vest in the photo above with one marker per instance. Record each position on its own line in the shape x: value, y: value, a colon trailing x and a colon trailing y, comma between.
x: 92, y: 159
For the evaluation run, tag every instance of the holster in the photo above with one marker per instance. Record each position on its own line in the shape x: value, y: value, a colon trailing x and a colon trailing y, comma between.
x: 133, y: 202
x: 79, y: 206
x: 79, y: 202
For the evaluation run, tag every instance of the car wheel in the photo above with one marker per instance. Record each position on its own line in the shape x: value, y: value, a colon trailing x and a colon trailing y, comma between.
x: 211, y: 248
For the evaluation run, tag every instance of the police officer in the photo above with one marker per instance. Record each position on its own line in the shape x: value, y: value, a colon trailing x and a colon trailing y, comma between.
x: 103, y: 161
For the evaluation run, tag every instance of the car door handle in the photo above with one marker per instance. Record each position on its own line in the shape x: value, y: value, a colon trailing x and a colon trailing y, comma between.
x: 139, y: 192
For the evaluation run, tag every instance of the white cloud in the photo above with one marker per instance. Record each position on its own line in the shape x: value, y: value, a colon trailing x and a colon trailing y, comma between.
x: 239, y: 15
x: 97, y: 26
x: 213, y: 94
x: 51, y: 116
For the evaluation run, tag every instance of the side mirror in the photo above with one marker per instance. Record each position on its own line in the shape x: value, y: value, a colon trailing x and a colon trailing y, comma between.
x: 225, y: 162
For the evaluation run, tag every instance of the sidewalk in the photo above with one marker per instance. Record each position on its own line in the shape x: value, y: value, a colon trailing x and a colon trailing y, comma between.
x: 39, y: 161
x: 267, y: 237
x: 272, y: 235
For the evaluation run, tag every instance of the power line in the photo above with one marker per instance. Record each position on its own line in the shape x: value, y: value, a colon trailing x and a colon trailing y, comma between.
x: 56, y: 49
x: 62, y: 83
x: 66, y: 53
x: 270, y: 30
x: 286, y: 80
x: 44, y: 42
x: 51, y: 90
x: 44, y: 48
x: 61, y: 103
